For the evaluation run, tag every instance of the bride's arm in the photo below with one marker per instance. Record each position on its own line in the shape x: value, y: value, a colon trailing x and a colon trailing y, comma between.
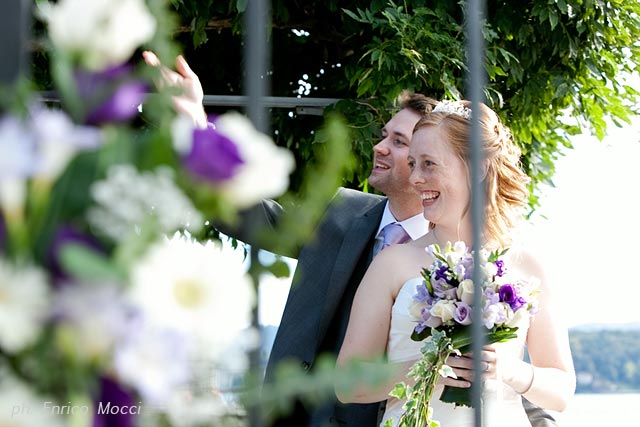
x: 366, y: 337
x: 549, y: 380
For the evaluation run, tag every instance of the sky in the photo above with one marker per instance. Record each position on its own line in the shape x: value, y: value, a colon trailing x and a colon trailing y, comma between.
x: 588, y: 242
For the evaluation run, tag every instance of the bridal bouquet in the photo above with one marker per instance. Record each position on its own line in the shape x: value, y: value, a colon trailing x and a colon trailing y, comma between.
x: 442, y: 308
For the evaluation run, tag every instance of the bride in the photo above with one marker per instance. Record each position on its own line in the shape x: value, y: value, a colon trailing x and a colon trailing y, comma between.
x: 380, y: 323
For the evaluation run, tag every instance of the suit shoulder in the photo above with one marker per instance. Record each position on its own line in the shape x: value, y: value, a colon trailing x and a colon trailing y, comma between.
x: 347, y: 195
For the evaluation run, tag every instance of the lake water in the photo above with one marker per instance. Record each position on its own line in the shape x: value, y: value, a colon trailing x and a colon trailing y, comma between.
x: 596, y: 410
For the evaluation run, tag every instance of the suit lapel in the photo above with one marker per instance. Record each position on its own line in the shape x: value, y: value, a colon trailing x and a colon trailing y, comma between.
x: 355, y: 244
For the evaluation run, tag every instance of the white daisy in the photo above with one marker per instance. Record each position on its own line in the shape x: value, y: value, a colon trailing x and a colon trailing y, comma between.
x: 199, y: 289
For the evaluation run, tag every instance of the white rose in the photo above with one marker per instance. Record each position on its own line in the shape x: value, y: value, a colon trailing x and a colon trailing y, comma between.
x: 465, y: 291
x: 444, y: 309
x: 102, y: 33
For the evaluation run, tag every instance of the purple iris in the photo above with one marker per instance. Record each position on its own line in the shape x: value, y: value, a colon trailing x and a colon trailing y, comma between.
x: 500, y: 265
x: 113, y: 399
x: 441, y: 272
x: 509, y: 294
x: 111, y: 95
x: 213, y: 156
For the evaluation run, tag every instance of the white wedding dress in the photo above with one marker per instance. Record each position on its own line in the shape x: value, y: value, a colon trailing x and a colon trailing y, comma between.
x: 502, y: 405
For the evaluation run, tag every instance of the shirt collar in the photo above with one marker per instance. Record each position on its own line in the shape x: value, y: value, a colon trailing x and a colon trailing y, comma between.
x: 416, y: 226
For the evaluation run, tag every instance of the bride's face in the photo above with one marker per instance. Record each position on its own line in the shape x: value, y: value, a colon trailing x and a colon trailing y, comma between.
x: 439, y: 176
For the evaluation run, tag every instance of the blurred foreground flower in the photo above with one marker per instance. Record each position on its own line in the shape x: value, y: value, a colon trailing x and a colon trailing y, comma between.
x: 23, y: 407
x: 112, y: 95
x: 195, y: 288
x: 127, y: 200
x: 24, y: 303
x: 100, y: 33
x: 244, y: 164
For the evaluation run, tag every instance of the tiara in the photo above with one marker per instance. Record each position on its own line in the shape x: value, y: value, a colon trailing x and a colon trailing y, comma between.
x: 453, y: 107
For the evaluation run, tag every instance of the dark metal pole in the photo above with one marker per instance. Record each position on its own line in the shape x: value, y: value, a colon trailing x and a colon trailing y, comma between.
x: 256, y: 59
x: 475, y: 82
x: 13, y: 31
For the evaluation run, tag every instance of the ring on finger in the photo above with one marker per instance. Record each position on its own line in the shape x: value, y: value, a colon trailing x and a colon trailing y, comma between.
x: 486, y: 366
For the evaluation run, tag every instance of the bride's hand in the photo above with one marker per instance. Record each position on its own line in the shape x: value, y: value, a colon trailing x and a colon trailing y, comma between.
x: 463, y: 368
x: 189, y: 102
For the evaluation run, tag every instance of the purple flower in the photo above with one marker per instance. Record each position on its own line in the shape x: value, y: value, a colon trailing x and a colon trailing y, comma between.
x: 467, y: 263
x: 441, y: 273
x: 500, y: 264
x: 121, y: 106
x: 111, y: 95
x: 213, y: 156
x: 422, y: 294
x: 509, y: 295
x: 117, y: 398
x: 463, y: 313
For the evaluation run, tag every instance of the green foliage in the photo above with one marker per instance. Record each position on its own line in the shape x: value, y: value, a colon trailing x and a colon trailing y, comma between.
x: 554, y: 68
x: 606, y: 360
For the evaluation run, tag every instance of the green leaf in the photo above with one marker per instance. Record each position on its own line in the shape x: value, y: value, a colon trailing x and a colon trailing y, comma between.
x: 241, y: 5
x: 279, y: 269
x: 87, y: 264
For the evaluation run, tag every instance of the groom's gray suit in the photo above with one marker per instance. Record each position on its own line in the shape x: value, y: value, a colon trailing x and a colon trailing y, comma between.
x: 316, y: 314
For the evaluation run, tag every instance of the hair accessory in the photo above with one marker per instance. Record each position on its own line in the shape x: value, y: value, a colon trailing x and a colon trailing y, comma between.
x: 453, y: 107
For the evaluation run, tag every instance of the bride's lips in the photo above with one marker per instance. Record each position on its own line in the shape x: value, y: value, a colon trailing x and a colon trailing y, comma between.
x: 429, y: 196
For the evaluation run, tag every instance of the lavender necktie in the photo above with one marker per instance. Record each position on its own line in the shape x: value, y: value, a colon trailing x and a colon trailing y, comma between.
x: 390, y: 234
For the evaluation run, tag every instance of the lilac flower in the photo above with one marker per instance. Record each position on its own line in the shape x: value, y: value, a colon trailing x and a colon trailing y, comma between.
x: 110, y: 96
x: 467, y: 263
x: 17, y: 149
x: 492, y: 315
x: 95, y: 316
x: 422, y: 294
x: 114, y: 395
x: 509, y: 295
x: 154, y: 361
x: 213, y: 156
x: 463, y: 313
x: 58, y: 140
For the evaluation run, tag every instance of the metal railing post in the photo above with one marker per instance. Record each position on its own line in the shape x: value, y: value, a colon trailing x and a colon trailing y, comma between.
x: 256, y: 59
x: 13, y: 31
x: 475, y: 85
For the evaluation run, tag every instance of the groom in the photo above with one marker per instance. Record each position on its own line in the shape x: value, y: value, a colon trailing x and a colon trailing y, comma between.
x: 331, y: 266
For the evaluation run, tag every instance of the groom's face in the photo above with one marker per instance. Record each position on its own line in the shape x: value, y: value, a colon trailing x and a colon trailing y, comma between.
x: 390, y: 172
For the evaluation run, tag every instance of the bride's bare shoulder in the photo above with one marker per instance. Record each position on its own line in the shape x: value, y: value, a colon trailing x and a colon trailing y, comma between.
x: 402, y: 261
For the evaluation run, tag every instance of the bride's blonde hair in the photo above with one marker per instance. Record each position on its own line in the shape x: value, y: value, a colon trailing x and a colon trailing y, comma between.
x: 505, y: 181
